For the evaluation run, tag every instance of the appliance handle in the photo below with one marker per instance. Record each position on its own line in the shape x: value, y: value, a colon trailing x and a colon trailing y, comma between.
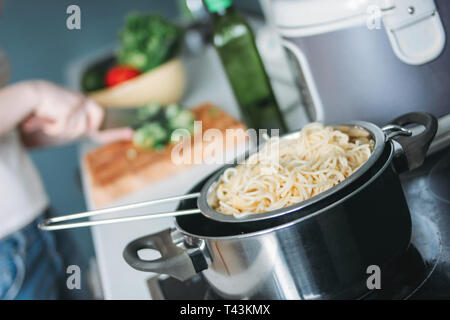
x: 415, y: 147
x: 179, y: 263
x: 415, y: 31
x: 309, y: 92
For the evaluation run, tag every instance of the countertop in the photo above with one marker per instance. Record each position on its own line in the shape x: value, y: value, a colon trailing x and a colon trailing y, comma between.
x: 206, y: 82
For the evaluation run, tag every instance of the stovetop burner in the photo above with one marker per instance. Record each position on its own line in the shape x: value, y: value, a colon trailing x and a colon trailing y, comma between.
x: 417, y: 264
x: 422, y: 272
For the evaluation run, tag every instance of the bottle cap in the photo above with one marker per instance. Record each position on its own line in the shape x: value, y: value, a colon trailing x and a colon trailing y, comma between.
x: 217, y: 5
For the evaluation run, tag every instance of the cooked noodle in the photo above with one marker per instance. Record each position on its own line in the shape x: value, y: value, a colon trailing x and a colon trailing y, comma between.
x: 287, y: 171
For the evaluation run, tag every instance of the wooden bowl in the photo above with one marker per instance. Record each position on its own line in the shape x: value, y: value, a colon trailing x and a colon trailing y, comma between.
x: 164, y: 84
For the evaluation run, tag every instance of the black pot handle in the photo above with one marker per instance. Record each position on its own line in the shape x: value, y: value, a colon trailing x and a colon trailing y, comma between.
x: 174, y: 261
x: 415, y: 147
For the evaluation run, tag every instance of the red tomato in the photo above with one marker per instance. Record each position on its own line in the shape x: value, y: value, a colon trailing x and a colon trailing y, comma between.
x: 119, y: 74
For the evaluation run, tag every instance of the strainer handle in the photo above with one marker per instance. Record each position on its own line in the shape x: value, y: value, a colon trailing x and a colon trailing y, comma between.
x: 416, y: 146
x: 54, y: 223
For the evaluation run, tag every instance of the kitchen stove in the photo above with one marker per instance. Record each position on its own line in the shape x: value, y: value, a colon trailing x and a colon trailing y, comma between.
x: 423, y: 272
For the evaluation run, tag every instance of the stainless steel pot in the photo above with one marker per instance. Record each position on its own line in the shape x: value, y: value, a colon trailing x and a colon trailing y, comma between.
x: 319, y: 251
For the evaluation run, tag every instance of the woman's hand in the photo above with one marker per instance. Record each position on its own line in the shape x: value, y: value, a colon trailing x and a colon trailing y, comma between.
x: 60, y: 115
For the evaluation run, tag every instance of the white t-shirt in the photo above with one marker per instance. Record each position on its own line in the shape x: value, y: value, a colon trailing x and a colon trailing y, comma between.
x: 22, y: 194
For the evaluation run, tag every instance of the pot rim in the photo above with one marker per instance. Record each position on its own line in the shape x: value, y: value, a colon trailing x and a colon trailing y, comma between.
x: 377, y: 135
x: 386, y: 164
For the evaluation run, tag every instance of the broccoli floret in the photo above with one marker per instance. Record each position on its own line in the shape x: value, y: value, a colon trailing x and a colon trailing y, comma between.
x: 151, y: 135
x: 184, y: 119
x: 156, y: 125
x: 146, y: 41
x: 172, y: 110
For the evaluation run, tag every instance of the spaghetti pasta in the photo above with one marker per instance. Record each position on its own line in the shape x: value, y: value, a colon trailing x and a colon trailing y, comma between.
x: 287, y: 171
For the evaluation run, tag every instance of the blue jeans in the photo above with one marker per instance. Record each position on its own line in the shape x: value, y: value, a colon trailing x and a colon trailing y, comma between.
x: 30, y: 267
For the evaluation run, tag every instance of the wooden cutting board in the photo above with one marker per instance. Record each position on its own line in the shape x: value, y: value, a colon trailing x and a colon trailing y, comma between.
x: 120, y: 168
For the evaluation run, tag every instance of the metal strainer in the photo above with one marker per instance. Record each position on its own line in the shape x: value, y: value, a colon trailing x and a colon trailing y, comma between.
x: 380, y: 136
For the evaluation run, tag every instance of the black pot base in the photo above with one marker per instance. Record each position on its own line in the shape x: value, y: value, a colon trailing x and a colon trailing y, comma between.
x: 401, y: 281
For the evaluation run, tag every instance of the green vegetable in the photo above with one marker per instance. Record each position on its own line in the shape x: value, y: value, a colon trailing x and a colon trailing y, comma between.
x: 183, y: 119
x: 151, y: 136
x: 147, y: 41
x: 179, y: 118
x: 156, y: 125
x: 172, y: 110
x: 93, y: 79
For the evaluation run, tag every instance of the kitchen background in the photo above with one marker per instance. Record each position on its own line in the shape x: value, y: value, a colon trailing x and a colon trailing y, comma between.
x: 44, y: 48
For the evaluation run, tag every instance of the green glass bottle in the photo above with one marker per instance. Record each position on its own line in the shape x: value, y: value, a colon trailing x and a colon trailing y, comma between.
x: 235, y: 44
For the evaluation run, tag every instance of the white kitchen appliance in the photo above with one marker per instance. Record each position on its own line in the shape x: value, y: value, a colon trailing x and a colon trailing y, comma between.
x: 366, y: 59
